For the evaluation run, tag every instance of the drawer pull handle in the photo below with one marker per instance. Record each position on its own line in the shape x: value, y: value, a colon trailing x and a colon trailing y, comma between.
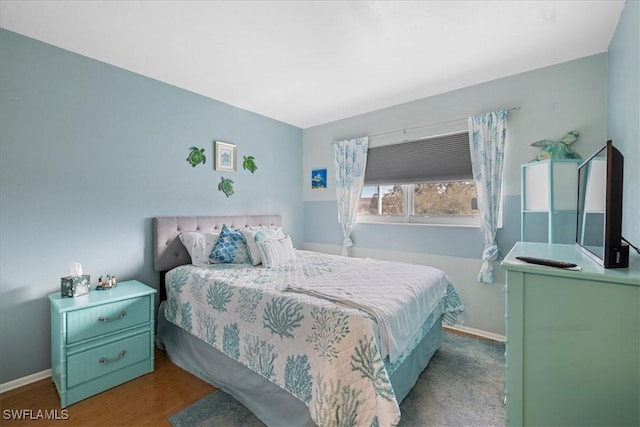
x: 111, y: 319
x: 104, y: 360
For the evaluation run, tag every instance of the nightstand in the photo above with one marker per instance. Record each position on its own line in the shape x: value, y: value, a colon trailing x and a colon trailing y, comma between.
x: 101, y: 339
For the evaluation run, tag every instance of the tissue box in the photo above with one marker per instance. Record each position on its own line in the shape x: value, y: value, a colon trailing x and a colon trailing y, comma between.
x: 74, y: 286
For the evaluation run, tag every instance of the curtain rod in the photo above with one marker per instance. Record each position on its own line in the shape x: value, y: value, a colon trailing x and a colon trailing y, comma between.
x: 431, y: 124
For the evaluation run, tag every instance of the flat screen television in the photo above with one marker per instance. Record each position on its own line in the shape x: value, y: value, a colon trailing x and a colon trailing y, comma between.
x: 599, y: 225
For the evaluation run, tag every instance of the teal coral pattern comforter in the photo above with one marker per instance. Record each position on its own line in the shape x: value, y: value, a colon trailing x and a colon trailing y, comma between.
x: 325, y: 353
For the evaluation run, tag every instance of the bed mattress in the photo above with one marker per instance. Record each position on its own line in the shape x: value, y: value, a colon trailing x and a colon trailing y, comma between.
x: 330, y: 354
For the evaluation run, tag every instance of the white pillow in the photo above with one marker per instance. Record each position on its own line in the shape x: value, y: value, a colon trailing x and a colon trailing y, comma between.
x: 276, y: 252
x: 254, y: 234
x: 199, y: 245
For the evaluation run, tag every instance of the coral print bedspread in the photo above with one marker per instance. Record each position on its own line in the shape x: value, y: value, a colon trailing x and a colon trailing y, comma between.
x: 327, y: 352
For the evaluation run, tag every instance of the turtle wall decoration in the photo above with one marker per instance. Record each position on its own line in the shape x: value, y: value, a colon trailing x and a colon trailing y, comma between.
x: 249, y: 163
x: 226, y: 186
x: 557, y: 149
x: 196, y: 156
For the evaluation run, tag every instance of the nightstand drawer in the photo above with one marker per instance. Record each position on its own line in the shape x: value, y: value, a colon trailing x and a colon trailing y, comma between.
x: 106, y: 318
x: 105, y: 359
x: 101, y: 339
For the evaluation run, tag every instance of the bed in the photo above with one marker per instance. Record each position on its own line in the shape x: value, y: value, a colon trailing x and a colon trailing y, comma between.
x: 303, y: 338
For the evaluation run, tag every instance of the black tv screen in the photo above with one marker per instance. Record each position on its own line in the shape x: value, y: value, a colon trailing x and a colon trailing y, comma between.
x: 599, y: 225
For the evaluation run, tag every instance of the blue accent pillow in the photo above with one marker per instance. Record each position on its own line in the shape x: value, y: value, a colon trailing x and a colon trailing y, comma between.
x: 230, y: 248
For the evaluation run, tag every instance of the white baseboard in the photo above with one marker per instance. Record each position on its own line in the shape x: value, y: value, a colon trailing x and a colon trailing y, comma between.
x: 477, y: 332
x: 19, y: 382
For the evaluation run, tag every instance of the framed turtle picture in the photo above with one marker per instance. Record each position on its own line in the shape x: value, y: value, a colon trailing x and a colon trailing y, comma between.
x: 225, y: 157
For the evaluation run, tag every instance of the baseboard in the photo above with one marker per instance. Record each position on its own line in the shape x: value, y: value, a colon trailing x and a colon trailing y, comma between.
x: 465, y: 330
x: 19, y: 382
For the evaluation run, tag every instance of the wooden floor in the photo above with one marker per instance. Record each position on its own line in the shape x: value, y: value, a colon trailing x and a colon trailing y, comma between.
x: 144, y: 401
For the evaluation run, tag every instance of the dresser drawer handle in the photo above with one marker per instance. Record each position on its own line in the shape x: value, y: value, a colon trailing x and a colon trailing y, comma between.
x: 104, y: 360
x: 111, y: 319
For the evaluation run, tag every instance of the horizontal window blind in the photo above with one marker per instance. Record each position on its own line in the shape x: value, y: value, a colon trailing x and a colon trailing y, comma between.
x: 441, y: 158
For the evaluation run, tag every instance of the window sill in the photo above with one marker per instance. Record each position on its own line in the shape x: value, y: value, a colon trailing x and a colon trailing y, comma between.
x: 473, y: 222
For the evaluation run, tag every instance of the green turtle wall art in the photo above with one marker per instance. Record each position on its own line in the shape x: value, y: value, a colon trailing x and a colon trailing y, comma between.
x: 249, y: 163
x: 196, y: 156
x: 226, y: 186
x: 557, y: 149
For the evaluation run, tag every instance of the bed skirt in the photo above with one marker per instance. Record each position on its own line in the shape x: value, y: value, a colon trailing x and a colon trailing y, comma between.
x: 270, y: 403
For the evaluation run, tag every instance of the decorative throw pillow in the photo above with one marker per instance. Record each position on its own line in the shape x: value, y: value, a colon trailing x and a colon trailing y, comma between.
x: 199, y: 245
x: 230, y: 248
x: 276, y: 252
x: 253, y: 234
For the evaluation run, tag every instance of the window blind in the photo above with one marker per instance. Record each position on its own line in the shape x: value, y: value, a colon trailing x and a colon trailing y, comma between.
x: 440, y: 158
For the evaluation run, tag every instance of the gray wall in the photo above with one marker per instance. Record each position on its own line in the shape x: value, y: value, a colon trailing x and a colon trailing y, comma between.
x: 89, y: 153
x: 623, y: 112
x: 553, y: 101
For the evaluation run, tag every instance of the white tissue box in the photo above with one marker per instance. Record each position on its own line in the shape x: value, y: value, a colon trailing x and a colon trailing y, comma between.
x: 74, y: 286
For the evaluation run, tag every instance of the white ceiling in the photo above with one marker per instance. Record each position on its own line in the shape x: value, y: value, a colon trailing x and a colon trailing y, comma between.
x: 311, y: 62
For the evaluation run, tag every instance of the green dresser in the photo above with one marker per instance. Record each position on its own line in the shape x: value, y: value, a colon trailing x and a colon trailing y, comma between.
x: 572, y: 340
x: 101, y: 339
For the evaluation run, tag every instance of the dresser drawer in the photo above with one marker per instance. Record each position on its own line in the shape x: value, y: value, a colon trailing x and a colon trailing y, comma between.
x: 99, y: 361
x: 95, y: 321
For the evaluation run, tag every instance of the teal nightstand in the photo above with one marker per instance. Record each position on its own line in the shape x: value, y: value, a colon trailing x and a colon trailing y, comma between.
x: 101, y: 339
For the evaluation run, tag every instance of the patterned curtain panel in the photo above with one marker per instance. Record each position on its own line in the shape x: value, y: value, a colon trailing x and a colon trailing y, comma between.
x: 487, y: 134
x: 350, y: 159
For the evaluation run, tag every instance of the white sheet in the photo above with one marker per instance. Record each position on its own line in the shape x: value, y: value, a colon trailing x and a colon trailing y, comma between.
x: 399, y: 295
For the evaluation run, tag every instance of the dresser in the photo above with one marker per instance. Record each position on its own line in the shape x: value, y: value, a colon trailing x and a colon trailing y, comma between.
x: 101, y: 339
x: 572, y: 340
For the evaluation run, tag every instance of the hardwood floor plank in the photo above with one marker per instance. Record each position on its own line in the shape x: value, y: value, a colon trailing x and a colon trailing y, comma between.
x: 144, y: 401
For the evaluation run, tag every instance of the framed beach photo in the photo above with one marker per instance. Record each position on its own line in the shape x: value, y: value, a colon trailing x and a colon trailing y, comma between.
x: 225, y: 157
x: 318, y: 179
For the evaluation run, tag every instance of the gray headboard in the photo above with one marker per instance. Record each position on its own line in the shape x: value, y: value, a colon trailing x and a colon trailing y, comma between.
x: 168, y: 251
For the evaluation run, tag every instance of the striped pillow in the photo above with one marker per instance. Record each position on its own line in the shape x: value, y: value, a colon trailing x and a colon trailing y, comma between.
x: 276, y: 252
x: 256, y: 234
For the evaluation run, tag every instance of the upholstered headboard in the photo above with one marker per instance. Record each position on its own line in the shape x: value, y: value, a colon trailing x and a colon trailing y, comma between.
x: 168, y: 251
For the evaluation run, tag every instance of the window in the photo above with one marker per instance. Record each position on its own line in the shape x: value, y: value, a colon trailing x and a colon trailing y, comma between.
x: 423, y: 181
x: 384, y: 200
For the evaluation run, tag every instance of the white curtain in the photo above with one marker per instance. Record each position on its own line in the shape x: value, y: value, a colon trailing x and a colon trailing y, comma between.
x: 350, y: 159
x: 487, y: 134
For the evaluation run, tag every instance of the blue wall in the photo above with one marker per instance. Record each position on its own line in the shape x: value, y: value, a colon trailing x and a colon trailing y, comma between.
x: 553, y: 101
x: 89, y: 153
x: 623, y: 111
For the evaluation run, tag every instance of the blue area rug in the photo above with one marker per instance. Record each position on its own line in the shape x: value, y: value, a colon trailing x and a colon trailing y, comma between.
x: 462, y: 386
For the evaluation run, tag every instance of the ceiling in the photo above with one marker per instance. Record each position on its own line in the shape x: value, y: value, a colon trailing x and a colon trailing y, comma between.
x: 310, y: 62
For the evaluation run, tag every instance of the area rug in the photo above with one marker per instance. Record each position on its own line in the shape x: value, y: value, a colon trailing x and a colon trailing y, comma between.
x: 462, y: 386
